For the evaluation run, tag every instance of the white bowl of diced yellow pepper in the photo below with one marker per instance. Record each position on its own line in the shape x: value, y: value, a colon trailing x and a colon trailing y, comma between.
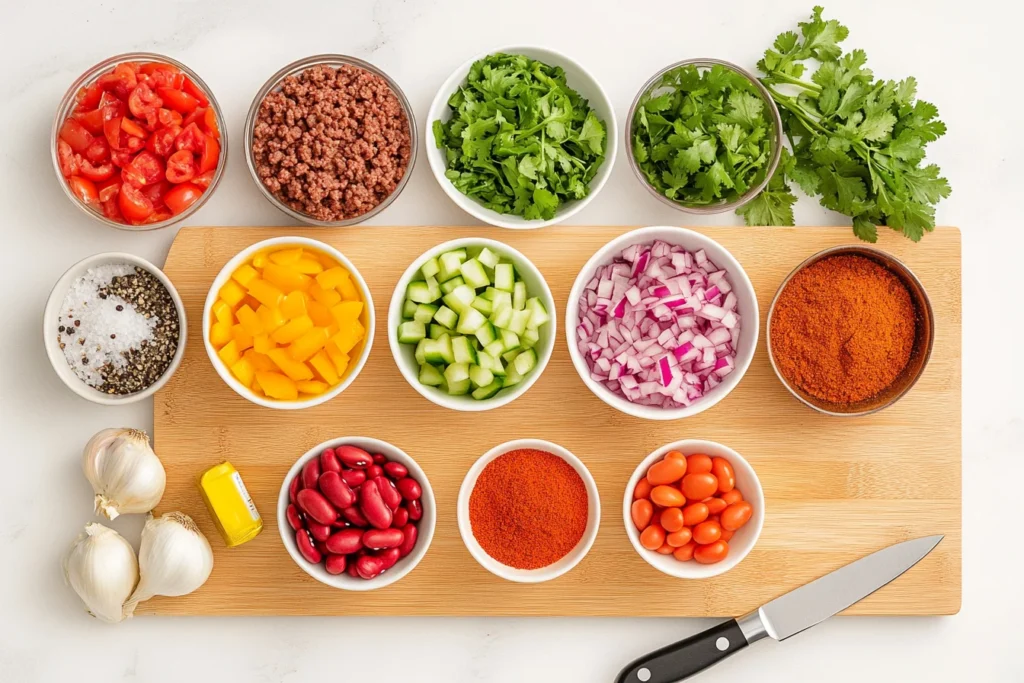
x: 288, y: 323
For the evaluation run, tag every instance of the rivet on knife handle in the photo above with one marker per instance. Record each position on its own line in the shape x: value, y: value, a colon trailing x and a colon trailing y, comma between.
x: 683, y: 659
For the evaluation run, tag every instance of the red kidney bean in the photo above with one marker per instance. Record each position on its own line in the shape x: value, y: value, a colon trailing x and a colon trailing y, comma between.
x: 320, y: 546
x: 399, y: 518
x: 415, y: 510
x: 353, y: 457
x: 410, y: 534
x: 409, y: 488
x: 340, y: 523
x: 319, y: 531
x: 389, y: 557
x: 316, y: 506
x: 383, y: 538
x: 369, y: 566
x: 388, y: 492
x: 329, y: 462
x: 345, y: 542
x: 351, y: 568
x: 294, y: 518
x: 305, y: 544
x: 336, y: 490
x: 395, y: 470
x: 374, y: 471
x: 354, y: 477
x: 372, y: 505
x: 310, y: 473
x: 335, y: 564
x: 354, y: 516
x: 293, y: 488
x: 379, y: 458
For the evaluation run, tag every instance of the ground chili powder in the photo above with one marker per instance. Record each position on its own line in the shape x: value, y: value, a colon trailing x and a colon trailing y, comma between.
x: 843, y: 329
x: 528, y: 508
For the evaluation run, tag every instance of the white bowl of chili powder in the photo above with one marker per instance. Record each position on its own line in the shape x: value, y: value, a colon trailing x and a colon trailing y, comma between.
x: 528, y: 510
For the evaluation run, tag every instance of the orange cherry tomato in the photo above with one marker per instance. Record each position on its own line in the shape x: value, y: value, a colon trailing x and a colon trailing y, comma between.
x: 715, y: 505
x: 736, y: 515
x: 725, y: 474
x: 700, y: 485
x: 665, y: 550
x: 672, y: 519
x: 707, y: 532
x: 653, y: 537
x: 727, y: 534
x: 643, y: 489
x: 667, y: 471
x: 711, y: 553
x: 677, y: 539
x: 731, y: 497
x: 667, y: 496
x: 694, y: 513
x: 641, y: 512
x: 685, y: 553
x: 698, y: 463
x: 675, y: 454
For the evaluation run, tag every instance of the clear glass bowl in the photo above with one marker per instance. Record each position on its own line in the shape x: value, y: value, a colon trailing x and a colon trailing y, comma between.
x: 274, y: 82
x: 67, y: 105
x: 775, y: 140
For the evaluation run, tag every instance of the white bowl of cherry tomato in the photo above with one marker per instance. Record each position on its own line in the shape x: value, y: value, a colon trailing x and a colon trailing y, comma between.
x: 139, y: 142
x: 693, y: 509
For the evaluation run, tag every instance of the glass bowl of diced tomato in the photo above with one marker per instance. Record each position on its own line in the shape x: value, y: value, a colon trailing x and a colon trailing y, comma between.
x: 139, y: 142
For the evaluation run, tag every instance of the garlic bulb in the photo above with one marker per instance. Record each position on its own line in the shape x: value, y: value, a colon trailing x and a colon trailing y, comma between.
x: 102, y: 568
x: 125, y: 473
x: 174, y: 558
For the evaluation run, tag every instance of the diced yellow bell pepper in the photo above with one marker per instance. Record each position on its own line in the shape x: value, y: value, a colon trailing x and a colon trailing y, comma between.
x: 292, y: 330
x: 347, y: 312
x: 320, y: 314
x: 232, y: 293
x: 286, y: 257
x: 262, y: 343
x: 339, y: 359
x: 328, y: 297
x: 294, y: 305
x: 276, y: 385
x: 243, y: 371
x: 260, y: 260
x: 308, y: 265
x: 348, y: 290
x: 349, y: 336
x: 222, y: 312
x: 243, y: 340
x: 305, y: 346
x: 230, y: 353
x: 332, y: 277
x: 256, y: 388
x: 220, y: 334
x: 249, y: 320
x: 259, y: 361
x: 325, y: 259
x: 286, y: 278
x: 271, y: 318
x: 244, y: 274
x: 292, y: 368
x: 325, y: 368
x: 266, y: 293
x: 311, y: 386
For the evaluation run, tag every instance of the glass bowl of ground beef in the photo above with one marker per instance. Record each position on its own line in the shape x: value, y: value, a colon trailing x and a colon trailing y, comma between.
x: 330, y: 140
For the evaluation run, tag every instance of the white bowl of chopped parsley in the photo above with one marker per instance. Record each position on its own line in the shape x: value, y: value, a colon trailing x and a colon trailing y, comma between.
x: 704, y: 136
x: 522, y: 137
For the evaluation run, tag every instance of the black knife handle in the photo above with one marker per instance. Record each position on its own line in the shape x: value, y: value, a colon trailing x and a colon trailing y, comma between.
x: 681, y: 660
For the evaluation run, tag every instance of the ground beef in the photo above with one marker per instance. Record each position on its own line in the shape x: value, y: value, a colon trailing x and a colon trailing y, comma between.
x: 332, y: 143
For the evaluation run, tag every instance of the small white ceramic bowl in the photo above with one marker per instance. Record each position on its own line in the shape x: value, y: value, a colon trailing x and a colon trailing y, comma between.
x: 741, y: 543
x: 56, y: 355
x: 746, y: 307
x: 243, y: 257
x: 425, y: 527
x: 579, y: 79
x: 544, y: 573
x: 405, y: 354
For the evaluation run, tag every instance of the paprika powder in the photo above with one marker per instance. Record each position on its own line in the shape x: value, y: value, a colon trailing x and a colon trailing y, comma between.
x: 843, y: 329
x: 528, y: 508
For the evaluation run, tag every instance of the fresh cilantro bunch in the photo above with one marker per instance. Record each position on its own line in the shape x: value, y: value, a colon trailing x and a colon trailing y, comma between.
x: 520, y: 140
x: 702, y: 136
x: 858, y: 143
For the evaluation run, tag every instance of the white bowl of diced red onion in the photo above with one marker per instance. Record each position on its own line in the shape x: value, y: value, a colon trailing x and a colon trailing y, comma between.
x: 662, y: 323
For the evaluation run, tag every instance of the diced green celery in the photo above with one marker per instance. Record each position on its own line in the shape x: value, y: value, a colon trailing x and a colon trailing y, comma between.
x: 448, y: 285
x: 519, y: 295
x: 411, y: 332
x: 424, y: 313
x: 446, y: 316
x: 488, y: 258
x: 474, y: 274
x: 430, y: 268
x: 430, y: 375
x: 504, y: 277
x: 470, y: 321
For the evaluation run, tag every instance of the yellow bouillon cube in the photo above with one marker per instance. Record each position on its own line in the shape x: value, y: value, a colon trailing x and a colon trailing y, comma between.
x: 347, y: 312
x: 244, y: 274
x: 286, y: 257
x: 286, y: 278
x: 311, y: 386
x: 243, y: 371
x: 294, y: 369
x: 230, y: 353
x: 294, y: 305
x: 325, y: 368
x: 292, y: 330
x: 266, y: 293
x: 308, y: 344
x: 232, y: 293
x: 271, y: 318
x: 276, y: 385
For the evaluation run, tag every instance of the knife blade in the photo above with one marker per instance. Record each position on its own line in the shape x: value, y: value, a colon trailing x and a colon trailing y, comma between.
x: 783, y: 617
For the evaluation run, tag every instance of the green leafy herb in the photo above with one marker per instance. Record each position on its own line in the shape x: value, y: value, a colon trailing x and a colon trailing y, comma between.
x: 702, y: 136
x: 520, y: 140
x: 858, y: 142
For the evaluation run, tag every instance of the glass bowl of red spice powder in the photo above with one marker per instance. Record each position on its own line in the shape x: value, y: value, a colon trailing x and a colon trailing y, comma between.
x: 528, y: 510
x: 850, y: 331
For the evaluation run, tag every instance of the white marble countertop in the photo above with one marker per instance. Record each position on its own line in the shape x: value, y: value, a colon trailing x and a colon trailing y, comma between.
x: 965, y: 57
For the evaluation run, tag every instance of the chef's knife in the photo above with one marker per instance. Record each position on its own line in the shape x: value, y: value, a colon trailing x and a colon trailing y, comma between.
x: 781, y: 618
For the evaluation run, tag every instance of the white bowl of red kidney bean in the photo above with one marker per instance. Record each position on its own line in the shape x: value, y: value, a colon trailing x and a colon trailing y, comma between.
x: 139, y: 142
x: 356, y: 513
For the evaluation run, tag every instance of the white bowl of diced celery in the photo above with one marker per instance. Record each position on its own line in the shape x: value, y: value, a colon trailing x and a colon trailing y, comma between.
x: 472, y: 324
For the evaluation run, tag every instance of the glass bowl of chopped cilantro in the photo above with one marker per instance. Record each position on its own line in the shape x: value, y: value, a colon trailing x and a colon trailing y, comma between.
x: 704, y: 136
x: 523, y: 137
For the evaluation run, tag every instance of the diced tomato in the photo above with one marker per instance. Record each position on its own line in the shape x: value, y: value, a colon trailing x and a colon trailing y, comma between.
x: 158, y: 216
x: 192, y: 89
x: 169, y: 117
x: 195, y: 117
x: 204, y: 180
x: 132, y: 128
x: 66, y: 158
x: 210, y: 123
x: 121, y: 157
x: 109, y: 188
x: 132, y: 143
x: 134, y: 205
x: 156, y: 191
x: 191, y: 139
x: 112, y: 107
x: 181, y: 166
x: 88, y: 98
x: 120, y: 81
x: 92, y: 120
x: 145, y: 169
x: 211, y: 153
x: 75, y: 134
x: 95, y: 172
x: 163, y: 75
x: 112, y: 209
x: 85, y: 190
x: 152, y: 119
x: 143, y: 100
x: 161, y: 142
x: 178, y: 100
x: 181, y: 197
x: 112, y: 132
x: 98, y: 151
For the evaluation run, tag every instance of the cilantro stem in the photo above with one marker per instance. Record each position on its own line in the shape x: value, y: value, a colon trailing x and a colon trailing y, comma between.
x: 777, y: 77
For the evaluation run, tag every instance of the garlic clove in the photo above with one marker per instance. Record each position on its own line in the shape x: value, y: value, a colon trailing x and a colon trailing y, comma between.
x: 126, y: 475
x: 175, y: 558
x: 102, y: 569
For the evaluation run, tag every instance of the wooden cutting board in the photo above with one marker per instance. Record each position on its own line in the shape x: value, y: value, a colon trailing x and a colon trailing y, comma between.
x: 836, y: 489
